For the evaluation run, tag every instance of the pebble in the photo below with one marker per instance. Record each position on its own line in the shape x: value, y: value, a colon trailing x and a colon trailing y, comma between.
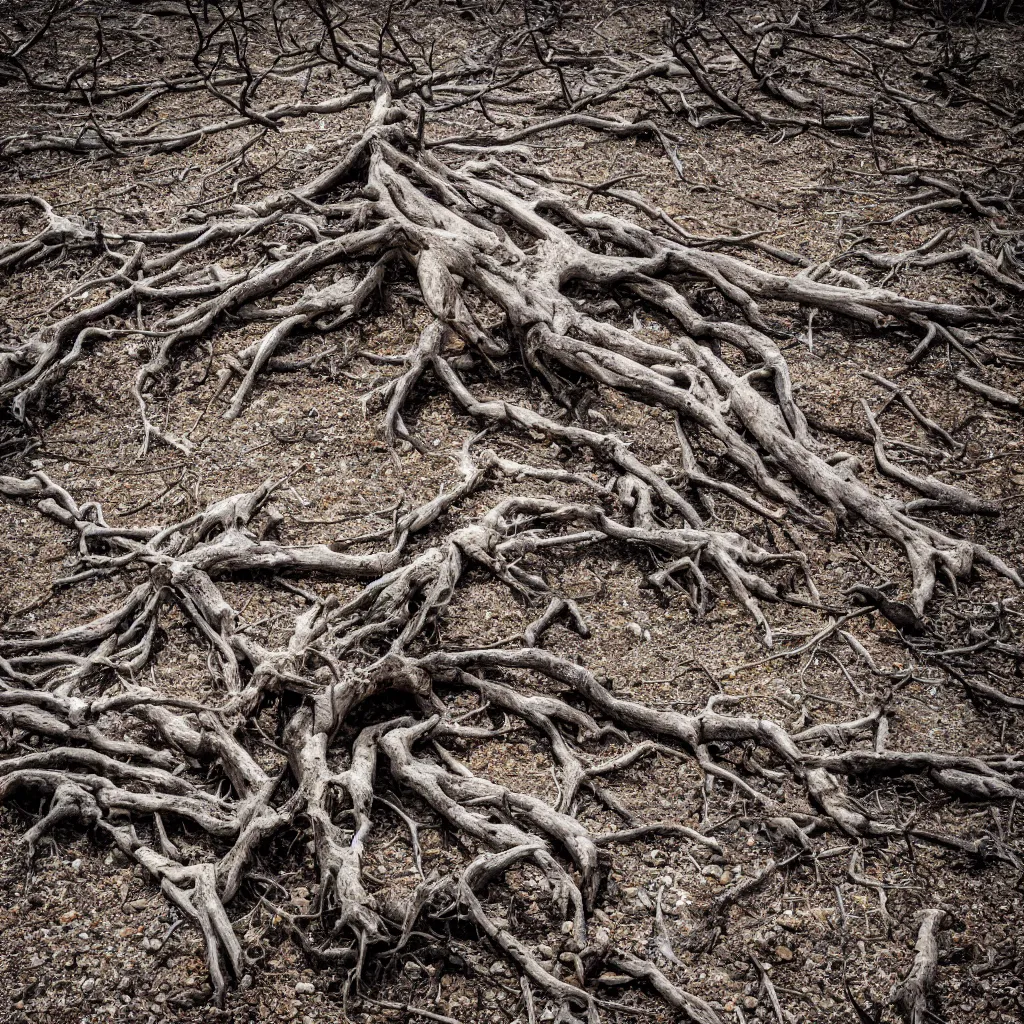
x: 784, y: 952
x: 76, y: 865
x: 712, y: 871
x: 750, y: 1003
x: 304, y: 988
x: 635, y: 628
x: 89, y: 984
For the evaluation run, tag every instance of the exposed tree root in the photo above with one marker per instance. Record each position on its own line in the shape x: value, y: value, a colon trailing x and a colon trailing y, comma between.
x: 911, y: 994
x: 507, y: 268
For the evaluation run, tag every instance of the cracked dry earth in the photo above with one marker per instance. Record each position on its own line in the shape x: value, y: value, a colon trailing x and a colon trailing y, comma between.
x: 510, y: 513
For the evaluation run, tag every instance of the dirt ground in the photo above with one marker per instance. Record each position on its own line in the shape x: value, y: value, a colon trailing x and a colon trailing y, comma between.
x: 86, y: 938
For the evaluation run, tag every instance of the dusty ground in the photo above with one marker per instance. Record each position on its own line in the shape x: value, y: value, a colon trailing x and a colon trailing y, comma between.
x: 84, y: 938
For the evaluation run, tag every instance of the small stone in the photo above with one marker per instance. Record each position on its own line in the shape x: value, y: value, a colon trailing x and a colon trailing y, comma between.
x: 750, y: 1002
x: 783, y: 953
x: 497, y: 967
x: 712, y: 871
x: 567, y: 928
x: 635, y: 628
x: 546, y: 951
x: 304, y: 988
x: 76, y: 866
x: 725, y: 878
x: 246, y: 982
x: 89, y: 984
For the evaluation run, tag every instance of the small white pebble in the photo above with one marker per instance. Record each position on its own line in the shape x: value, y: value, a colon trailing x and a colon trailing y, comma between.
x: 304, y: 988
